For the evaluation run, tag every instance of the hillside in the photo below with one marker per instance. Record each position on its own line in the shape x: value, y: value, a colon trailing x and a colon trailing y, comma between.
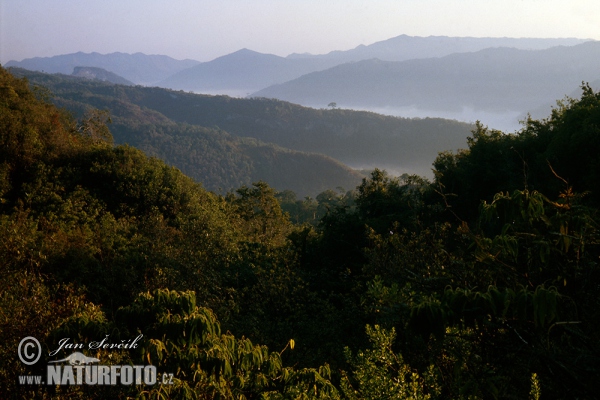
x: 498, y: 80
x: 217, y: 159
x: 359, y: 139
x: 100, y: 74
x: 139, y: 68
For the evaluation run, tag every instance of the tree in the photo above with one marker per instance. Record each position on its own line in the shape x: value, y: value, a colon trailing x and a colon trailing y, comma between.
x: 379, y: 373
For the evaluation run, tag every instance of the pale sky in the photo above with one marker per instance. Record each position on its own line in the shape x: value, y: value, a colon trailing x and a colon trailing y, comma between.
x: 206, y: 29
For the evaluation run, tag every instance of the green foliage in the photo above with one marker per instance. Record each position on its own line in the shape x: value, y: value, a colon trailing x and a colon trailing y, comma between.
x: 383, y: 201
x: 93, y: 127
x: 261, y: 217
x: 536, y: 390
x: 181, y: 337
x: 542, y: 157
x: 473, y: 309
x: 379, y: 373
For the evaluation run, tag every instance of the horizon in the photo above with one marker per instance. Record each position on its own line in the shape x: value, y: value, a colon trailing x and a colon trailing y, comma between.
x: 205, y: 30
x: 305, y: 53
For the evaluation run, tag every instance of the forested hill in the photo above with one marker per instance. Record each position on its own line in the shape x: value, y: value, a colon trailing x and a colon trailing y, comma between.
x: 217, y: 159
x: 358, y: 139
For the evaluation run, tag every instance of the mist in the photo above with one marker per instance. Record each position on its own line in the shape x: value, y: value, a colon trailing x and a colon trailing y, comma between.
x: 507, y: 122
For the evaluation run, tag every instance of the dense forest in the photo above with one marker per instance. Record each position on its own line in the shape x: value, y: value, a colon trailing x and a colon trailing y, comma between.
x: 480, y: 283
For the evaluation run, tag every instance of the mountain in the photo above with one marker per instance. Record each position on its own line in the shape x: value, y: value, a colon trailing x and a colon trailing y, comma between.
x: 100, y: 74
x: 139, y: 68
x: 492, y: 80
x: 241, y: 73
x: 363, y: 140
x: 247, y: 71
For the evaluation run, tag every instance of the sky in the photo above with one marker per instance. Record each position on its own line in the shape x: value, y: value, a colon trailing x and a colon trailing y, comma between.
x: 206, y: 29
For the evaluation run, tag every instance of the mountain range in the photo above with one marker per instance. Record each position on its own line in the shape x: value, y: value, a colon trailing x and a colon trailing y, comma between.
x: 138, y: 68
x: 247, y: 71
x: 404, y: 47
x: 494, y: 80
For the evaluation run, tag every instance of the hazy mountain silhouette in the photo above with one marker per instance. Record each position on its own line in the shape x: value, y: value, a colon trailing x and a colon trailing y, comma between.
x: 241, y: 73
x: 138, y: 68
x: 246, y: 71
x: 493, y: 80
x: 403, y: 47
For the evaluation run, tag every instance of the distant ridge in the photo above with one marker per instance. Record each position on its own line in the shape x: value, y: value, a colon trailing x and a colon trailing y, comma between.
x: 246, y: 71
x: 404, y: 47
x: 492, y: 80
x: 138, y: 68
x: 241, y: 73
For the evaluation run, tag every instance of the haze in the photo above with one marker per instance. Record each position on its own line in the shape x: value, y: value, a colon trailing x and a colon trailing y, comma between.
x: 204, y: 30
